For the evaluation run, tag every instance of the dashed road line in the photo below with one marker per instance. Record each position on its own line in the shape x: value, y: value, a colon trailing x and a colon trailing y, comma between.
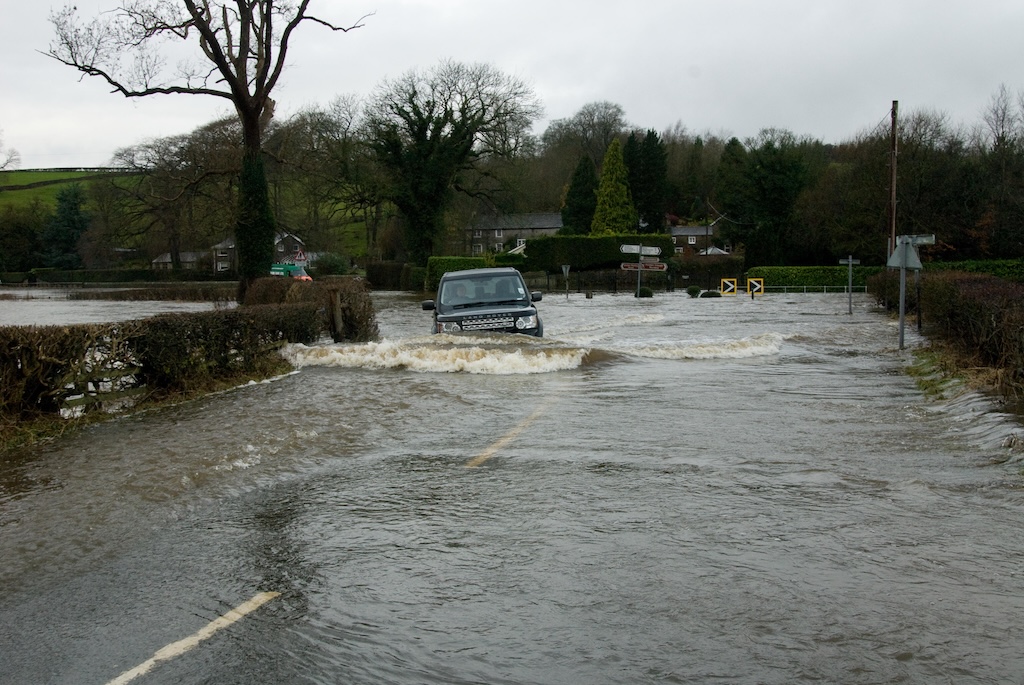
x: 178, y: 648
x: 508, y: 437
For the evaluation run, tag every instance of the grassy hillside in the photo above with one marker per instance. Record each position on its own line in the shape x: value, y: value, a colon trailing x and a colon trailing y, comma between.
x: 21, y: 188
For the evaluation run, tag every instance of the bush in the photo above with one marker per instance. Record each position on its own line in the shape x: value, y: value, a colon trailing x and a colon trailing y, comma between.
x: 330, y: 264
x: 980, y: 316
x: 645, y: 292
x: 693, y: 291
x: 711, y: 293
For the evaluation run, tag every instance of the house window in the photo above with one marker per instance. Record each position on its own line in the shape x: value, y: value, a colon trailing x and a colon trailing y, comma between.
x: 280, y: 247
x: 223, y: 266
x: 478, y: 233
x: 222, y: 253
x: 497, y: 233
x: 478, y: 248
x: 692, y: 240
x: 498, y: 247
x: 520, y: 242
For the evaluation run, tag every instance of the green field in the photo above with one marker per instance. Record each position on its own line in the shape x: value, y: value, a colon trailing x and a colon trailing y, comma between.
x: 21, y: 188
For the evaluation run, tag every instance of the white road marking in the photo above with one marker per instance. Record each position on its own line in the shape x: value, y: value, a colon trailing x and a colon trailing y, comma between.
x: 508, y: 437
x: 181, y: 646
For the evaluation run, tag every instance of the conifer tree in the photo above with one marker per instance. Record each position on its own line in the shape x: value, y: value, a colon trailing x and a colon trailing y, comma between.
x: 65, y: 228
x: 615, y: 212
x: 580, y: 199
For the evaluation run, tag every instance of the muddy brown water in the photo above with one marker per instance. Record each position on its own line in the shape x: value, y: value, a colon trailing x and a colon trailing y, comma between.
x: 670, y: 490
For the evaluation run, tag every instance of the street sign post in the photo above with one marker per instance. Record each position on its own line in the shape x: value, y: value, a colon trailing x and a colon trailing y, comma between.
x: 849, y: 279
x: 905, y: 257
x: 642, y: 264
x: 565, y: 273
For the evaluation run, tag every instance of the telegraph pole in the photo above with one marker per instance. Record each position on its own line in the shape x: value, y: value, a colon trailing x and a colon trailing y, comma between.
x: 892, y: 180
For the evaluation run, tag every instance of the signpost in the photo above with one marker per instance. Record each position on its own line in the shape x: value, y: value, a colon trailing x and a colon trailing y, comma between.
x: 905, y: 257
x: 849, y: 279
x: 647, y: 260
x: 565, y: 274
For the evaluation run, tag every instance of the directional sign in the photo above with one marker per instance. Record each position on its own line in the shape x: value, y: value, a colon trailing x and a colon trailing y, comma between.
x: 728, y: 286
x: 640, y: 249
x: 755, y: 286
x: 643, y: 266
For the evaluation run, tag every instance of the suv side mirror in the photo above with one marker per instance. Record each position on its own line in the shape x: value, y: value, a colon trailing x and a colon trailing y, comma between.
x: 536, y: 296
x: 428, y: 305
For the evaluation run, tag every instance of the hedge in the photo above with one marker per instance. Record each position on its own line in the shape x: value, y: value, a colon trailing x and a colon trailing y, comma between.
x: 979, y: 315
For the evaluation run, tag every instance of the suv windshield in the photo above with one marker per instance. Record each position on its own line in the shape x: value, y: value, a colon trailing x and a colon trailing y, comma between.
x: 471, y: 292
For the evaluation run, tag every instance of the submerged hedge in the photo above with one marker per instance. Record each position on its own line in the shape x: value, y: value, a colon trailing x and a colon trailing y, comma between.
x: 51, y: 370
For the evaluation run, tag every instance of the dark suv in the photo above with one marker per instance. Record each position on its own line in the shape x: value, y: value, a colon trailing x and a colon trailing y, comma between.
x: 490, y: 300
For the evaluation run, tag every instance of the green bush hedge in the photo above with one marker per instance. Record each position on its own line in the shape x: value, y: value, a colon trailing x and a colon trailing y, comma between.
x: 977, y: 314
x: 438, y: 266
x: 812, y: 276
x: 43, y: 369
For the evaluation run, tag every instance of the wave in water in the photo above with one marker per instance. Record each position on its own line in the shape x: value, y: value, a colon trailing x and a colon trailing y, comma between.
x: 442, y: 356
x: 510, y: 355
x: 763, y: 345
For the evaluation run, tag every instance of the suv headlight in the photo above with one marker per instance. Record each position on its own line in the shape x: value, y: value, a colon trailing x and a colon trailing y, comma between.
x: 526, y: 322
x: 448, y: 327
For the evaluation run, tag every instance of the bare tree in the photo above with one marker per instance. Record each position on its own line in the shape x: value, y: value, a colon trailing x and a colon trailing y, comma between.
x: 432, y: 130
x: 9, y: 158
x: 237, y: 51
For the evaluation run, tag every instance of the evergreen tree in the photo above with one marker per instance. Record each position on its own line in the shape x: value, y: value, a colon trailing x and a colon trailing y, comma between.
x: 649, y: 195
x: 580, y: 199
x: 65, y: 228
x: 615, y: 212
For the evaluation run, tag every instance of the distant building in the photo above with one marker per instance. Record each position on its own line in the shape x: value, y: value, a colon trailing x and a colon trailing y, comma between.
x: 697, y: 240
x: 496, y: 233
x: 224, y: 255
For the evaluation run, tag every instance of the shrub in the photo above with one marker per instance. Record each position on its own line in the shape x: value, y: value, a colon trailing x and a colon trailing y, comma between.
x: 644, y: 291
x: 693, y: 291
x: 711, y: 293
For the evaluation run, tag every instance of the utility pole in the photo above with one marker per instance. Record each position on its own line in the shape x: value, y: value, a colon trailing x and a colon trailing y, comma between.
x: 892, y: 180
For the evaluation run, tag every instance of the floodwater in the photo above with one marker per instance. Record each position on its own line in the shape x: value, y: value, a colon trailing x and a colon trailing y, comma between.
x: 51, y: 307
x: 665, y: 490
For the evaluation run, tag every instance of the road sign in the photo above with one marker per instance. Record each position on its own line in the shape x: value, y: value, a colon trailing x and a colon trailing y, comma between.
x: 299, y: 257
x: 728, y: 286
x: 755, y: 286
x: 640, y: 249
x: 643, y: 266
x: 648, y: 258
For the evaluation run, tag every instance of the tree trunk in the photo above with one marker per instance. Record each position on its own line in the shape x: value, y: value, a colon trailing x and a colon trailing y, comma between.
x: 254, y: 234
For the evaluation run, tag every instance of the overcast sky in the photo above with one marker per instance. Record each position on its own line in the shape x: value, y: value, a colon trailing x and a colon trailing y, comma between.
x: 829, y: 69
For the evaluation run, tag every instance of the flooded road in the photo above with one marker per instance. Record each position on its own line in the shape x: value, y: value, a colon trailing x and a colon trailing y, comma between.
x: 670, y: 490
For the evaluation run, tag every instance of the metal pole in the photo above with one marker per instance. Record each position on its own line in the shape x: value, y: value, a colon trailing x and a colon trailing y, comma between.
x: 903, y: 300
x: 849, y: 284
x: 639, y: 268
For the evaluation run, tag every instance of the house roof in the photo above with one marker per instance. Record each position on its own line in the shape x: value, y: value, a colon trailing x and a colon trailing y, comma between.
x: 512, y: 222
x: 693, y: 230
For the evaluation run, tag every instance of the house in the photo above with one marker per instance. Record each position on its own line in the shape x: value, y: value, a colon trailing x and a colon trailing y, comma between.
x: 493, y: 232
x: 697, y: 240
x: 224, y: 255
x: 189, y: 261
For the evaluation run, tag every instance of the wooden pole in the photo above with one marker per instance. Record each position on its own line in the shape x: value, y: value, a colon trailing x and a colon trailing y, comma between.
x: 892, y: 180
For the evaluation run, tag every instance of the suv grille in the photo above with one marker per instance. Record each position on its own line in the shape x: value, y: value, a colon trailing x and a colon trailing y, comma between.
x: 488, y: 322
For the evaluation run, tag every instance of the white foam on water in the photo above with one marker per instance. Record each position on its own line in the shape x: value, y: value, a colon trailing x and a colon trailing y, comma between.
x: 766, y: 344
x: 442, y: 355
